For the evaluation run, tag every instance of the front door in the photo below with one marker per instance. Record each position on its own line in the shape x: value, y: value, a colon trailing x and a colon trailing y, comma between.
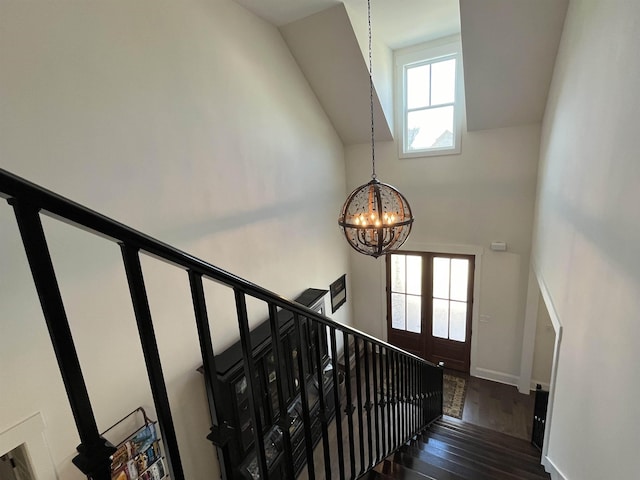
x: 429, y: 305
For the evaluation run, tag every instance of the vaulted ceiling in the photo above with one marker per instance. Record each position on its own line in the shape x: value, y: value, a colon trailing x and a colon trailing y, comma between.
x: 509, y: 50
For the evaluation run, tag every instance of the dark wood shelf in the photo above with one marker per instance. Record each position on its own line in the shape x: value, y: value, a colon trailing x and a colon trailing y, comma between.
x: 238, y: 455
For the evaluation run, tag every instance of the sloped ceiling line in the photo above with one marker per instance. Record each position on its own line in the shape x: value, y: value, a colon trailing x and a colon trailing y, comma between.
x: 327, y: 50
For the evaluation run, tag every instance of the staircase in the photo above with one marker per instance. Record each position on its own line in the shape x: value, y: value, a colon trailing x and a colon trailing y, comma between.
x: 454, y: 450
x: 394, y: 398
x: 394, y: 395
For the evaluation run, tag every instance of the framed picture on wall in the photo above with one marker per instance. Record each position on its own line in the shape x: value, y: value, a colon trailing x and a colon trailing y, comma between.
x: 338, y: 292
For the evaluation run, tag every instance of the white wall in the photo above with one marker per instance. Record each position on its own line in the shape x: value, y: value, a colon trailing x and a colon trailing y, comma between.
x: 191, y: 122
x: 586, y: 240
x: 486, y: 193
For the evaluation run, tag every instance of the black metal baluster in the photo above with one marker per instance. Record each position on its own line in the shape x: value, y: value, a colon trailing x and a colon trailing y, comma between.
x: 439, y: 392
x: 422, y: 395
x: 324, y: 413
x: 429, y: 378
x: 303, y: 369
x: 403, y: 394
x: 434, y: 393
x: 359, y: 401
x: 147, y: 335
x: 368, y: 405
x: 349, y: 408
x: 376, y: 401
x: 394, y: 395
x: 390, y: 421
x: 278, y: 358
x: 414, y: 394
x: 337, y: 400
x: 383, y: 405
x: 406, y: 402
x: 95, y: 452
x: 411, y: 393
x: 220, y: 430
x: 400, y: 408
x: 250, y: 374
x: 390, y: 411
x: 400, y: 398
x: 427, y: 398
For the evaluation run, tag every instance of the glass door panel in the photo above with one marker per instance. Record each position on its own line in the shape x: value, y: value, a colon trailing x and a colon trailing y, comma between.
x: 406, y: 291
x: 450, y: 292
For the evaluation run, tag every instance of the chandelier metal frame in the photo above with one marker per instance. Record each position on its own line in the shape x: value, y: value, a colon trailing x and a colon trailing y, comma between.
x: 375, y: 217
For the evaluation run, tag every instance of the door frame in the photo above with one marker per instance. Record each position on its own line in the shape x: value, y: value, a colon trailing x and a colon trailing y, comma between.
x: 431, y: 342
x: 30, y: 432
x: 441, y: 248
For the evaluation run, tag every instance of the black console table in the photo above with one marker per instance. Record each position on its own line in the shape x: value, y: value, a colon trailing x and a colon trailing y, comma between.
x: 240, y: 457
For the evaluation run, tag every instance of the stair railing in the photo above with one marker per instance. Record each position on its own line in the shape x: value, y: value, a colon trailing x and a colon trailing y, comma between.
x: 393, y: 396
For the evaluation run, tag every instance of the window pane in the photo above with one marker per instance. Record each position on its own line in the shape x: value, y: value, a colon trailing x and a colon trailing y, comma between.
x: 443, y: 82
x: 441, y: 277
x: 458, y: 321
x: 440, y: 318
x: 418, y: 86
x: 398, y: 273
x: 397, y: 311
x: 414, y: 274
x: 431, y: 128
x: 414, y: 305
x: 459, y: 279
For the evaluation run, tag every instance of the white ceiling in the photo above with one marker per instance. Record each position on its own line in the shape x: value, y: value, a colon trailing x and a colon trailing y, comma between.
x: 397, y: 23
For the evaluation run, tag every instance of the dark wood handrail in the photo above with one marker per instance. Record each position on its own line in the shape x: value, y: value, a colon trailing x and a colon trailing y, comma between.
x: 68, y: 211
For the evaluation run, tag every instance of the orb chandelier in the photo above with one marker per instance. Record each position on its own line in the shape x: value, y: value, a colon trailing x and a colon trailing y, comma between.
x: 376, y: 217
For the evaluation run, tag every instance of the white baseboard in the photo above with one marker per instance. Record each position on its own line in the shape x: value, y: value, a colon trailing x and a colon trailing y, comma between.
x: 552, y: 470
x: 495, y: 376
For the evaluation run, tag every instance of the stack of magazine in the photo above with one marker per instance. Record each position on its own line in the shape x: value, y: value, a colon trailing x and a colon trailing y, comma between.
x: 139, y: 456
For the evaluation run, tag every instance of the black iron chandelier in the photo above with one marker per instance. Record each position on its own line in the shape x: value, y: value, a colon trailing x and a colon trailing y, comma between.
x: 376, y: 217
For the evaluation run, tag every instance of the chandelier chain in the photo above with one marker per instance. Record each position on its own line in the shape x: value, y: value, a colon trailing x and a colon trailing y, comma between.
x: 373, y: 144
x: 375, y: 217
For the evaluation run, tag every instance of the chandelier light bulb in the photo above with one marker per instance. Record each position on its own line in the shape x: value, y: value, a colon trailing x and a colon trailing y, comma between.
x: 375, y: 201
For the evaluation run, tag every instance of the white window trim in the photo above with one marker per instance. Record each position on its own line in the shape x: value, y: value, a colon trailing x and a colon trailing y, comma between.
x: 446, y: 47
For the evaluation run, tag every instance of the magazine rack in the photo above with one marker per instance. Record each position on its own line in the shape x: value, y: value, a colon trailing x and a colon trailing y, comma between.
x: 139, y: 456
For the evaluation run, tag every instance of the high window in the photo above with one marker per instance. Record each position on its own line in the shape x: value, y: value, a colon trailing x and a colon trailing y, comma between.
x: 428, y: 80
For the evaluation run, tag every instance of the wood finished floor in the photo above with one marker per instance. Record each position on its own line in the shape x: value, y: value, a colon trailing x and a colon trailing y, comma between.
x: 498, y: 407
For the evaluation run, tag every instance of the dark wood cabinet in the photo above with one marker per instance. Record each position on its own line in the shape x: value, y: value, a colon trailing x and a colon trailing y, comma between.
x: 239, y: 454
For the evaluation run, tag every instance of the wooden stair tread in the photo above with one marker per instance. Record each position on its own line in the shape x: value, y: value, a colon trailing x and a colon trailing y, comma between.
x: 455, y: 450
x: 470, y: 443
x: 480, y: 454
x: 399, y: 473
x: 428, y: 469
x: 495, y: 469
x: 436, y: 468
x: 486, y: 435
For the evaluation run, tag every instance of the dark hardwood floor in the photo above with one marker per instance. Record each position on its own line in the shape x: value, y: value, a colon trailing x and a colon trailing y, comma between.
x: 498, y: 407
